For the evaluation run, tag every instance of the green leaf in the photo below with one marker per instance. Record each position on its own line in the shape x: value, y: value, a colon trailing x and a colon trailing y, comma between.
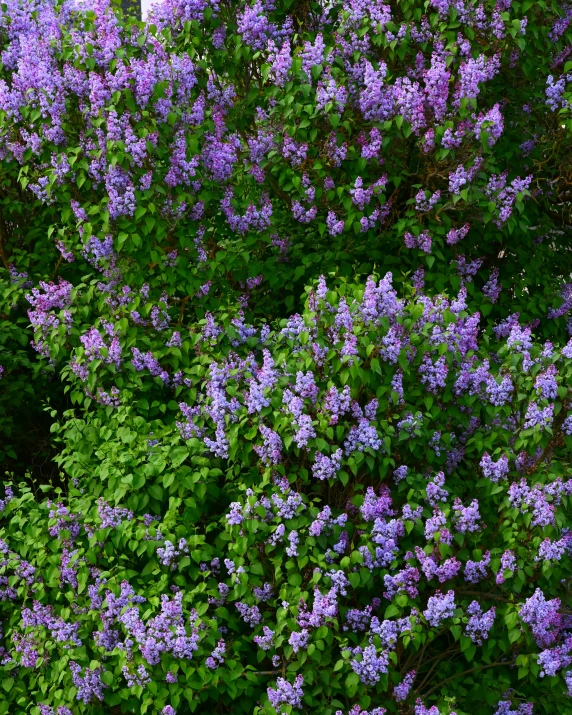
x: 178, y: 455
x: 156, y: 492
x: 107, y: 677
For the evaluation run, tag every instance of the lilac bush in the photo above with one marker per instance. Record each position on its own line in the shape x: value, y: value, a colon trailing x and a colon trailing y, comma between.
x: 285, y: 357
x: 258, y: 574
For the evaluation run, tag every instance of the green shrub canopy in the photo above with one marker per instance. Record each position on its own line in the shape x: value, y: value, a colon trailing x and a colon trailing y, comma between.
x: 285, y: 369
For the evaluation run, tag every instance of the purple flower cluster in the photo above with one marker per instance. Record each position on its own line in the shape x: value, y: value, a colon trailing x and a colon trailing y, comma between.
x: 439, y: 608
x: 495, y: 471
x: 287, y: 693
x: 370, y: 665
x: 89, y: 685
x: 542, y: 617
x: 479, y: 623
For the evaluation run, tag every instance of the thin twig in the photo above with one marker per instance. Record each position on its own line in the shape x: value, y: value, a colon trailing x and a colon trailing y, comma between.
x: 466, y: 672
x: 3, y: 254
x: 182, y: 309
x: 56, y: 269
x: 436, y: 660
x: 483, y: 594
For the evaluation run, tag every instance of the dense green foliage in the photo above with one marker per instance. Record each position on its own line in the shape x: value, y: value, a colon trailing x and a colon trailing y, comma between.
x: 172, y: 193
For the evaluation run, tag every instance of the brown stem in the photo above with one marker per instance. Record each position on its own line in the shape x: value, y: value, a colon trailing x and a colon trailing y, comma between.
x: 490, y: 596
x: 3, y: 254
x: 421, y: 654
x: 277, y: 189
x: 182, y: 309
x: 56, y: 269
x: 556, y: 439
x: 466, y: 672
x: 436, y: 660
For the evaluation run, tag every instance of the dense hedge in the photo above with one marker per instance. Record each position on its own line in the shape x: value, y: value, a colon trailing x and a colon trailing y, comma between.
x: 284, y: 358
x: 353, y: 500
x: 239, y: 151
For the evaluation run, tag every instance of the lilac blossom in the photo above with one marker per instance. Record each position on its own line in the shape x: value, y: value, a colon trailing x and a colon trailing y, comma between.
x: 495, y: 471
x: 479, y: 623
x: 440, y: 607
x: 265, y: 641
x: 327, y: 467
x: 476, y: 571
x: 286, y: 693
x: 370, y: 665
x: 542, y: 617
x: 401, y: 691
x: 467, y: 518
